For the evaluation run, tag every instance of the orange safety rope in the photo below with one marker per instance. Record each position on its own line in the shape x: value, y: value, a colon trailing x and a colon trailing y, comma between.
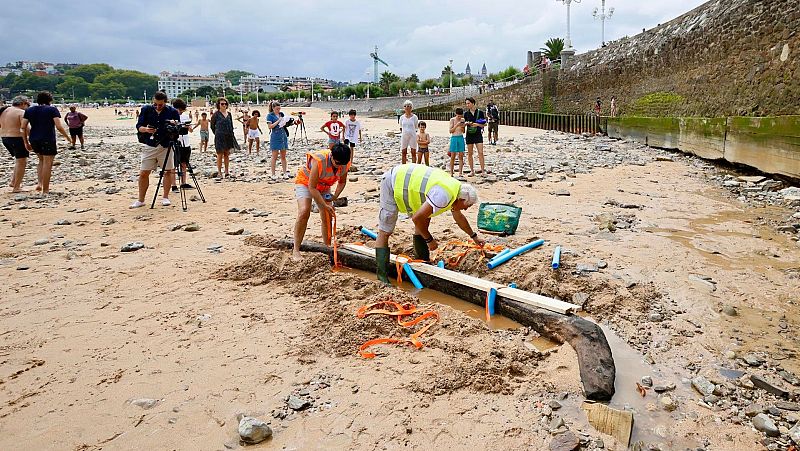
x: 469, y: 247
x: 332, y: 238
x: 399, y: 265
x: 402, y: 311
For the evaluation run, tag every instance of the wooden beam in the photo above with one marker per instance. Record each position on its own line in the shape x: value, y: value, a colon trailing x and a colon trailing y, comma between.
x: 532, y: 299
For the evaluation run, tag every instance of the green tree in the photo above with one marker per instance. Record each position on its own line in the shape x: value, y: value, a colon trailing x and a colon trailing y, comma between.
x: 89, y: 71
x: 387, y: 78
x: 233, y: 76
x: 8, y: 80
x: 30, y: 82
x: 135, y: 82
x: 109, y: 90
x: 429, y: 83
x: 552, y: 48
x: 73, y: 87
x: 413, y: 78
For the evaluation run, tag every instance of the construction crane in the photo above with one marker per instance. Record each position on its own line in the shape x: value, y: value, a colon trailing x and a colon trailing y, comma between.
x: 376, y: 59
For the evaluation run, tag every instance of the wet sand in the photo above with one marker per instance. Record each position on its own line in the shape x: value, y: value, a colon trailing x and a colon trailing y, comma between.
x: 86, y: 329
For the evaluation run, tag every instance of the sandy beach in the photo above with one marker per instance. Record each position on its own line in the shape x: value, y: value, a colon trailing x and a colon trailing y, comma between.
x: 165, y: 347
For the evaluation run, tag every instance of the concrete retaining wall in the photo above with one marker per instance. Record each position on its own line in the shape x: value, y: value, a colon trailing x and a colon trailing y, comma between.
x: 769, y: 144
x: 381, y: 104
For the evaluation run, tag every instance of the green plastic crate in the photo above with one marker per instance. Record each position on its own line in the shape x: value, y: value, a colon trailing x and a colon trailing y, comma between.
x: 499, y: 218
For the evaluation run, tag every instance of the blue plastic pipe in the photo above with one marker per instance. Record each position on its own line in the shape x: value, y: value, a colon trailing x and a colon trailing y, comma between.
x: 557, y: 257
x: 492, y: 300
x: 512, y: 285
x: 503, y: 252
x: 499, y: 260
x: 411, y: 276
x: 440, y: 264
x: 369, y: 233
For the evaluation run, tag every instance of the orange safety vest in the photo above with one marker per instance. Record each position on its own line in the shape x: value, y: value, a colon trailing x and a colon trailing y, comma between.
x: 328, y: 174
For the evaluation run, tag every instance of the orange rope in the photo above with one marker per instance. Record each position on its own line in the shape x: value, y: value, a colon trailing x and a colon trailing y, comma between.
x: 469, y: 247
x: 332, y: 238
x: 402, y: 311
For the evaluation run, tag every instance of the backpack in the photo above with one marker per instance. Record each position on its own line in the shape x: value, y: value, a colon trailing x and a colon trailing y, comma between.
x: 494, y: 113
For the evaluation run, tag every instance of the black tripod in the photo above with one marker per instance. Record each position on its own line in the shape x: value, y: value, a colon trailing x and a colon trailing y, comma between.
x: 300, y: 125
x: 175, y: 148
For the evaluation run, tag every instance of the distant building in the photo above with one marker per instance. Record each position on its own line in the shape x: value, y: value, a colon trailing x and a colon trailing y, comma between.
x: 174, y: 83
x: 272, y: 83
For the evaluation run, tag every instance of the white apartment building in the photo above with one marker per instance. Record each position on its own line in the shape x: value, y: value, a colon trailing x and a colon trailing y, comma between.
x: 174, y: 83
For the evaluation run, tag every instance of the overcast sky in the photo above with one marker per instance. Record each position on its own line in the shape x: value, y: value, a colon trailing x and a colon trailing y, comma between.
x: 310, y: 37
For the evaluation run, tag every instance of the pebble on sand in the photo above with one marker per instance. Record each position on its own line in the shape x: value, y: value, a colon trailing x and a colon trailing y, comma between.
x: 132, y: 246
x: 252, y: 430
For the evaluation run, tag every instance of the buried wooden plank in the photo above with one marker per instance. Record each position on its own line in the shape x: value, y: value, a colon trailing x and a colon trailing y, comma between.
x: 616, y: 423
x: 535, y: 300
x: 595, y: 361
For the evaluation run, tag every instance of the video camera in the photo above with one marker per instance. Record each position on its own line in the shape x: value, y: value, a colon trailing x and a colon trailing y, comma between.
x: 171, y: 131
x: 299, y: 113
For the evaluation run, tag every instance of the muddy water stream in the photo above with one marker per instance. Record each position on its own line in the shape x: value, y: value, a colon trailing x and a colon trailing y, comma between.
x: 650, y: 425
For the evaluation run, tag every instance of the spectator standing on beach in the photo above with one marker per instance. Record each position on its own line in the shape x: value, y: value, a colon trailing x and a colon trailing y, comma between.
x: 75, y: 121
x: 44, y: 119
x: 409, y: 123
x: 244, y: 119
x: 335, y: 130
x: 475, y: 121
x: 278, y: 138
x: 352, y: 131
x: 613, y: 106
x: 493, y: 116
x: 254, y: 133
x: 457, y: 145
x: 14, y: 138
x: 598, y: 107
x: 224, y: 138
x: 151, y: 127
x: 203, y: 124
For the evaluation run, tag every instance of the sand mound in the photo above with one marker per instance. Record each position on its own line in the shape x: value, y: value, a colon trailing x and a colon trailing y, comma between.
x: 273, y: 265
x: 476, y: 358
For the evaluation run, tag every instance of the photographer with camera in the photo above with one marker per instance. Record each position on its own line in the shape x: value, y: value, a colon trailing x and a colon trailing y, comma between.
x: 157, y: 126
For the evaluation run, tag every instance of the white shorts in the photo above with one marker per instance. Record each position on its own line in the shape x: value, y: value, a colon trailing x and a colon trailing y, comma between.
x: 253, y: 134
x: 387, y: 217
x: 153, y: 158
x: 302, y: 192
x: 408, y: 140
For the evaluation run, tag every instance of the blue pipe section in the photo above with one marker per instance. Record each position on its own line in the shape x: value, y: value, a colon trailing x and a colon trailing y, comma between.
x: 369, y: 233
x: 557, y: 257
x: 411, y: 276
x: 512, y: 285
x: 492, y: 300
x: 499, y: 260
x: 503, y: 252
x: 440, y: 264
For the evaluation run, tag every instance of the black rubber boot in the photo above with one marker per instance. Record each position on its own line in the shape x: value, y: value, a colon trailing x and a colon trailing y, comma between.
x: 382, y: 261
x: 421, y: 251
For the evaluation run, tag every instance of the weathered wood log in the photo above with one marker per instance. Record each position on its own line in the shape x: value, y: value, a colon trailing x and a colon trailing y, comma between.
x: 595, y: 361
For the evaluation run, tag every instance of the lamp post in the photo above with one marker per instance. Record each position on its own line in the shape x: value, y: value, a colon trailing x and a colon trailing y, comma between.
x: 145, y: 96
x: 603, y: 16
x: 369, y: 75
x: 568, y: 3
x: 451, y: 76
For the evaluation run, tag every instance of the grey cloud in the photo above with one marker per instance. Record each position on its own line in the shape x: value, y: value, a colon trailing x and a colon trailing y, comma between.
x: 311, y: 37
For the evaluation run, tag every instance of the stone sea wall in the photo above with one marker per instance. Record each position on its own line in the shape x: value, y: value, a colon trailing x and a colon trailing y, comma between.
x: 769, y: 144
x: 724, y: 58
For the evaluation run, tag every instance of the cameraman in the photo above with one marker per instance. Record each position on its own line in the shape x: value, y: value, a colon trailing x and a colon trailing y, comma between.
x: 151, y: 127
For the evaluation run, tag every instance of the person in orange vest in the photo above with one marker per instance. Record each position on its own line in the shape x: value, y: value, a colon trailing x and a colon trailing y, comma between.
x: 314, y: 180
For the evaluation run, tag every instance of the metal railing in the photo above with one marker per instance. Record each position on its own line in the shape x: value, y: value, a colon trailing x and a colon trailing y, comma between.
x: 569, y: 123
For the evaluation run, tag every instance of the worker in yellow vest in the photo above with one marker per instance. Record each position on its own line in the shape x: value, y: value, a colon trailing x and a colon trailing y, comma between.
x: 314, y: 180
x: 422, y: 192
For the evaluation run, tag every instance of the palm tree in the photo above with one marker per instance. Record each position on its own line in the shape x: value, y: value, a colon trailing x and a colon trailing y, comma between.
x: 387, y: 78
x: 552, y: 48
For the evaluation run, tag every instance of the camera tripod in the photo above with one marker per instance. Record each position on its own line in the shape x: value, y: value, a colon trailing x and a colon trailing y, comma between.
x: 300, y: 125
x: 175, y: 149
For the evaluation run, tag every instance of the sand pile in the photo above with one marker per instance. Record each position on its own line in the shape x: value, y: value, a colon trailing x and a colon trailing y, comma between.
x: 475, y: 358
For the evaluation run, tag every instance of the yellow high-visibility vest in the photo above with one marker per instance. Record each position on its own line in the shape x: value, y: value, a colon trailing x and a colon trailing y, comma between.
x: 412, y: 182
